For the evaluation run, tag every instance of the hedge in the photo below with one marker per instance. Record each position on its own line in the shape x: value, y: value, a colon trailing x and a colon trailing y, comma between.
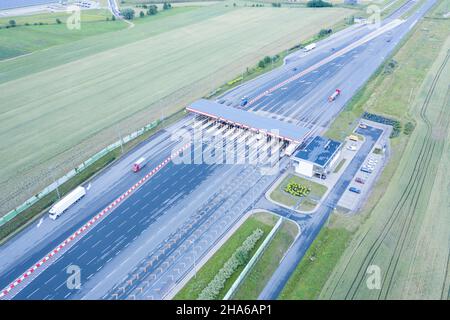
x: 239, y: 258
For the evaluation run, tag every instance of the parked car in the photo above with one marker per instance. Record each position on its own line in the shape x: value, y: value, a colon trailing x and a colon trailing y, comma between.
x: 244, y: 101
x: 363, y: 125
x: 352, y: 147
x: 355, y: 190
x: 359, y: 180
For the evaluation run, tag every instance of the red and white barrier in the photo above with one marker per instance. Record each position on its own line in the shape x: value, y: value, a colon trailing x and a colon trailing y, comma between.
x: 89, y: 224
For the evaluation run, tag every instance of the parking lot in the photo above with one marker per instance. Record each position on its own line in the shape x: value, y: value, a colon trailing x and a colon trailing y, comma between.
x: 363, y: 181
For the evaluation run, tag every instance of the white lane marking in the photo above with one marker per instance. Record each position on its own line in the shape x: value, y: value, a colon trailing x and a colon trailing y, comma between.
x: 109, y: 234
x: 96, y: 244
x: 40, y: 222
x: 32, y: 293
x: 88, y: 187
x: 59, y: 287
x: 46, y: 282
x: 124, y: 261
x: 91, y: 260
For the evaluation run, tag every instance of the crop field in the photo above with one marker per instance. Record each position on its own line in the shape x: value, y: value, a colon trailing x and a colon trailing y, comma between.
x: 407, y: 234
x: 82, y: 95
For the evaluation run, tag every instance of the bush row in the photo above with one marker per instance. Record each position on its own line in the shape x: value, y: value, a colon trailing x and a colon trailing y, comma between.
x: 238, y: 258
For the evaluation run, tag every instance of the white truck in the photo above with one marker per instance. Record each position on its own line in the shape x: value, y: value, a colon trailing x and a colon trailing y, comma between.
x: 63, y: 204
x: 309, y: 47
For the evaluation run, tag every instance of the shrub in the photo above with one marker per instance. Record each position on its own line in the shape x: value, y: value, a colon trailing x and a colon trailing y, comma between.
x: 325, y: 32
x: 152, y: 10
x: 276, y: 4
x: 396, y: 125
x: 237, y: 259
x: 12, y: 23
x: 58, y: 21
x: 409, y: 127
x: 141, y: 14
x: 167, y: 6
x: 128, y: 13
x: 318, y: 4
x: 390, y: 66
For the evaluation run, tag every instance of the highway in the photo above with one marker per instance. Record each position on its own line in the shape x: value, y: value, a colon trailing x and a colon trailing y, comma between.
x: 172, y: 217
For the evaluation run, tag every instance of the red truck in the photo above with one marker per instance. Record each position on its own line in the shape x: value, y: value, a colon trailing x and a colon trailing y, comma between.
x: 334, y: 95
x: 139, y: 164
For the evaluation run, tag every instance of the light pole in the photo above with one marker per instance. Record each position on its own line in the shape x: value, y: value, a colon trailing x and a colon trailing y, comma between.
x: 120, y: 137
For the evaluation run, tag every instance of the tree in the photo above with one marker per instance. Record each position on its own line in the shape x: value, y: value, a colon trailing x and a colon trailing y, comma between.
x: 152, y: 10
x: 12, y: 23
x: 167, y: 6
x: 318, y: 4
x: 58, y: 21
x: 324, y: 32
x: 113, y: 18
x: 141, y: 14
x: 128, y: 13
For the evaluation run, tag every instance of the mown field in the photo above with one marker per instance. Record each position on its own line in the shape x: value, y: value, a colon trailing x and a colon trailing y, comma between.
x: 63, y: 103
x: 406, y: 232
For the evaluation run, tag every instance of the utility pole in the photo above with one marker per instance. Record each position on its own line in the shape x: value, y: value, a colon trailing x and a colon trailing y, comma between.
x: 120, y: 137
x: 55, y: 182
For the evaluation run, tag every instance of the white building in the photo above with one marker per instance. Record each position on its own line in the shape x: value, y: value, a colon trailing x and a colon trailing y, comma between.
x: 317, y: 158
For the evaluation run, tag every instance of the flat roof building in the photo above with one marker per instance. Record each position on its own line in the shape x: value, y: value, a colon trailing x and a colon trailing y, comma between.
x: 249, y: 120
x: 318, y: 157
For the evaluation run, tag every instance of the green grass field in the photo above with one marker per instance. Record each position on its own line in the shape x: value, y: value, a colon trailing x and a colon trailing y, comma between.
x: 281, y: 196
x: 405, y: 231
x: 254, y: 282
x: 195, y: 285
x: 310, y: 275
x: 72, y: 94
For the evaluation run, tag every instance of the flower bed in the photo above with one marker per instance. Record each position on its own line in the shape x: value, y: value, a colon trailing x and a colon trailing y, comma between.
x: 296, y: 189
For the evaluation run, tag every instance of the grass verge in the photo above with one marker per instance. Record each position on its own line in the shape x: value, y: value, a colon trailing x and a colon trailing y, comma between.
x: 310, y: 275
x: 254, y: 282
x: 281, y: 196
x: 195, y: 285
